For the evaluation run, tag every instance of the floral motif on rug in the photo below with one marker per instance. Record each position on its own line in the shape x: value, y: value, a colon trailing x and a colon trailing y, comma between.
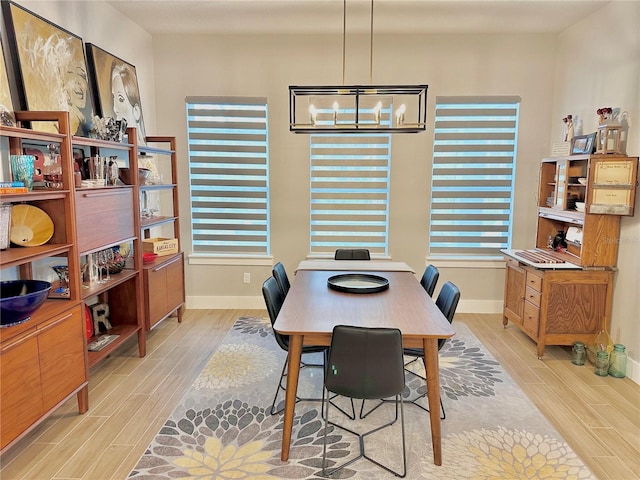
x: 222, y: 429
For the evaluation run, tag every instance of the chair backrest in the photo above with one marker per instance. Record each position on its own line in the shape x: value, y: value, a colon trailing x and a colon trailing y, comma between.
x: 447, y: 302
x: 280, y: 274
x: 365, y: 362
x: 273, y: 299
x: 430, y: 279
x: 352, y: 254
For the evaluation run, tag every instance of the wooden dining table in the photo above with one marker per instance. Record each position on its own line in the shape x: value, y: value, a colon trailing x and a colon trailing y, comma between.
x: 311, y: 309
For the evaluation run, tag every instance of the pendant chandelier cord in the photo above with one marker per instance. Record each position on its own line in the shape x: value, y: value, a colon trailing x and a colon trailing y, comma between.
x: 371, y: 48
x: 344, y: 41
x: 344, y: 36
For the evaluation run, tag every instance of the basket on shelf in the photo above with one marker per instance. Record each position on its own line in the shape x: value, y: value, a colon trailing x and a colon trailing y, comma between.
x: 5, y: 225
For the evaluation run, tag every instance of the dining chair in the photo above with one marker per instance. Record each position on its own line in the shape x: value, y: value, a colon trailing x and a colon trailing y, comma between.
x: 430, y: 279
x: 364, y: 363
x: 447, y: 303
x: 274, y: 298
x: 352, y: 254
x: 280, y: 274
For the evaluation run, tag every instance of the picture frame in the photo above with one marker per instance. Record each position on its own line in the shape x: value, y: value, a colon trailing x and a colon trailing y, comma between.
x: 7, y: 115
x: 116, y: 91
x: 49, y: 67
x: 583, y: 144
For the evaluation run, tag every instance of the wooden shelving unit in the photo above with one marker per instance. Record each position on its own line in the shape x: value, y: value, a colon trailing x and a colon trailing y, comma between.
x: 559, y: 306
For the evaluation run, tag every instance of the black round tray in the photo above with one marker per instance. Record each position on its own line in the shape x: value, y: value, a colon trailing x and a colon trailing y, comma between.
x: 358, y: 283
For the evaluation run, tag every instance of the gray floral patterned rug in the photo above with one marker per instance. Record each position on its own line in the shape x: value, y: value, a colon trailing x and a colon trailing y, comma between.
x: 222, y: 428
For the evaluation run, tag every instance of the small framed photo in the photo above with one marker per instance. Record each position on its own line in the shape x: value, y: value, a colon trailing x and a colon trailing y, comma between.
x: 583, y: 144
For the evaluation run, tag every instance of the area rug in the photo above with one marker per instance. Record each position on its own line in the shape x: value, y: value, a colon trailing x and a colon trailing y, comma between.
x: 222, y: 428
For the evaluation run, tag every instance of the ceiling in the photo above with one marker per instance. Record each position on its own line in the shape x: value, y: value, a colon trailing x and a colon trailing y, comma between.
x: 326, y: 16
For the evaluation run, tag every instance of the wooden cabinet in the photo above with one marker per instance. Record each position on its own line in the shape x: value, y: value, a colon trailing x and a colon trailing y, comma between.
x: 164, y: 288
x: 43, y: 361
x: 160, y: 217
x: 569, y: 298
x: 557, y: 307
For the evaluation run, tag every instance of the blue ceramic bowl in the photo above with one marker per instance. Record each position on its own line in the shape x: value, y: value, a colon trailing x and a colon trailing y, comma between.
x: 20, y: 298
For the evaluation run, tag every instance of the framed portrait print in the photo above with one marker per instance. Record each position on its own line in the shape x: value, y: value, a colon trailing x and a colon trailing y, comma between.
x: 582, y: 144
x: 115, y: 87
x: 50, y: 68
x: 6, y: 104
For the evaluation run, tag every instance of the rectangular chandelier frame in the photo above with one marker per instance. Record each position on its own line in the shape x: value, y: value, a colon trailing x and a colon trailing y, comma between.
x: 359, y: 116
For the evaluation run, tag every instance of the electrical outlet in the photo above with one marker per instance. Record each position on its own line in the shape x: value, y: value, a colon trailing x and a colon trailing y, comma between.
x: 247, y: 277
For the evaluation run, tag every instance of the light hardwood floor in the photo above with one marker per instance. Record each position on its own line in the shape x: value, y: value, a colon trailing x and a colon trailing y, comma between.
x: 131, y: 397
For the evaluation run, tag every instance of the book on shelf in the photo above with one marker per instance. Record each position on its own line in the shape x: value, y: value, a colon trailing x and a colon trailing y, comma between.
x: 5, y: 190
x: 11, y: 184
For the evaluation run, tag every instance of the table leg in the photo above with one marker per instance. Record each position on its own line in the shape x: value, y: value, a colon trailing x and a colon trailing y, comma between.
x: 430, y: 346
x: 293, y: 371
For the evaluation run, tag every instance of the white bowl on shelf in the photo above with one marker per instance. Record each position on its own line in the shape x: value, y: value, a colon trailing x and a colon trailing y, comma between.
x: 582, y: 181
x: 580, y: 206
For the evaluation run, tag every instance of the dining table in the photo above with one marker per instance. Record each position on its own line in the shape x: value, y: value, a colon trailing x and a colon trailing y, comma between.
x: 311, y: 309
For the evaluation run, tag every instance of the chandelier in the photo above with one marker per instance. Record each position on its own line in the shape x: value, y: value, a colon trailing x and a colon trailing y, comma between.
x: 357, y: 108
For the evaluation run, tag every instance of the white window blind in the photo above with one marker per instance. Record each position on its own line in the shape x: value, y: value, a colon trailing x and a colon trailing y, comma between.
x: 228, y: 175
x: 474, y: 159
x: 350, y: 192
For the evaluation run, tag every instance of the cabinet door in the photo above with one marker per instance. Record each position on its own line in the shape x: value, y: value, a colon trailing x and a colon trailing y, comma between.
x: 164, y: 289
x: 21, y: 402
x: 62, y: 354
x: 514, y: 291
x: 175, y: 283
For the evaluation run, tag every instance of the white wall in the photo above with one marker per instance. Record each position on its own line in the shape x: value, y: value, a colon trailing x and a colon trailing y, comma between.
x: 599, y: 66
x: 265, y: 65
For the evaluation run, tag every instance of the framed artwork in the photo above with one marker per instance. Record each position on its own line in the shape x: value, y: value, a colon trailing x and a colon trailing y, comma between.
x: 115, y: 87
x: 6, y: 105
x: 50, y: 68
x: 582, y: 144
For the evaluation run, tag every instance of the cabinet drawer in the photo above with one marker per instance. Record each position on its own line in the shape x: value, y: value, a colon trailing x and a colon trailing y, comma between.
x: 534, y: 282
x: 104, y: 217
x: 532, y: 296
x: 531, y: 318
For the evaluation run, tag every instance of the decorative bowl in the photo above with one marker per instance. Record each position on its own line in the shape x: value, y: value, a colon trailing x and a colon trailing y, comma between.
x: 30, y: 226
x: 20, y: 299
x: 582, y: 181
x: 125, y: 175
x: 580, y: 206
x: 148, y: 257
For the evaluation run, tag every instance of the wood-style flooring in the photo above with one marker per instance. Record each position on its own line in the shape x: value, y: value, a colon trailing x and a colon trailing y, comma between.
x: 131, y: 397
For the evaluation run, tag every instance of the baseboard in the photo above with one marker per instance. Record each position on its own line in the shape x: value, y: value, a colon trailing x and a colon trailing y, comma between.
x: 633, y: 370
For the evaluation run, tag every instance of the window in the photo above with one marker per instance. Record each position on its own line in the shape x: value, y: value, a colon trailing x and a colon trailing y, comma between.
x: 228, y: 175
x: 350, y: 192
x: 474, y: 159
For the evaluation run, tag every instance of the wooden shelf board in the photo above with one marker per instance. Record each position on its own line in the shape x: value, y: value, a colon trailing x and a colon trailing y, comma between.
x: 125, y: 332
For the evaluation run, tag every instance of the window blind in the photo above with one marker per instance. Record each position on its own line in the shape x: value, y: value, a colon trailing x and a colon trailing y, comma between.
x: 474, y: 159
x: 228, y: 175
x: 350, y: 191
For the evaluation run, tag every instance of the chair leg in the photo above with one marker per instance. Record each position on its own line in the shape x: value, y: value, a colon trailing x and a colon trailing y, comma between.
x: 362, y: 454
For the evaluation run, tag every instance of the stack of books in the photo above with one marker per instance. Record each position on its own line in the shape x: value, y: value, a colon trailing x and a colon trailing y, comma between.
x: 12, y: 187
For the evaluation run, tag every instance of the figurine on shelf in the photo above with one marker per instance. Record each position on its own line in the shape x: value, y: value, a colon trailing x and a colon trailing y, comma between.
x: 100, y: 315
x: 604, y: 114
x: 569, y: 129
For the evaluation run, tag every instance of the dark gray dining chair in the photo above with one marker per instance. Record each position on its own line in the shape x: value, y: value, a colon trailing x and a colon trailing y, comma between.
x: 430, y: 279
x: 274, y: 299
x: 364, y: 363
x: 352, y: 254
x: 447, y: 302
x: 280, y: 274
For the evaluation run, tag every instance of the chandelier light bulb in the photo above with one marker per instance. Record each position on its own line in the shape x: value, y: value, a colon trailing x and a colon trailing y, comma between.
x: 400, y: 114
x: 313, y: 114
x: 336, y: 107
x: 376, y: 111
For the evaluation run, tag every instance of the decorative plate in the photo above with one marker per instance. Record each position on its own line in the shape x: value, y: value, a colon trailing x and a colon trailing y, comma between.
x: 30, y: 226
x: 358, y: 283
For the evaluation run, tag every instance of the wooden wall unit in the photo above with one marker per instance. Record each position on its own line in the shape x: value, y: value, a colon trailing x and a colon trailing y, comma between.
x: 43, y: 361
x: 557, y: 306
